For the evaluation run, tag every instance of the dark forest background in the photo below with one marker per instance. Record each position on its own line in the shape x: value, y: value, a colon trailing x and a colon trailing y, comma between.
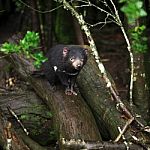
x: 94, y: 115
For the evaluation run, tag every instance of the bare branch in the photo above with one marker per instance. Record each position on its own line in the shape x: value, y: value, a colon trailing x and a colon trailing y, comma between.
x: 124, y: 129
x: 105, y: 21
x: 130, y: 53
x: 89, y: 4
x: 98, y: 23
x: 105, y: 3
x: 102, y: 10
x: 82, y: 6
x: 18, y: 120
x: 39, y: 11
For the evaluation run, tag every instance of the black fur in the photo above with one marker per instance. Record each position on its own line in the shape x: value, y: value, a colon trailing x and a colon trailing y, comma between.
x: 60, y: 66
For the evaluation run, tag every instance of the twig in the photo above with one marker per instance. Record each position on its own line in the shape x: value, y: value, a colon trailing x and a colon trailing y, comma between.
x: 16, y: 117
x: 123, y: 137
x: 131, y: 67
x: 98, y: 23
x: 39, y: 11
x: 124, y: 129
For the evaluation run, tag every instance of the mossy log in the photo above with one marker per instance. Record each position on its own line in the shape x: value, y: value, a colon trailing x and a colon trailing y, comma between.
x: 73, y: 118
x: 31, y: 111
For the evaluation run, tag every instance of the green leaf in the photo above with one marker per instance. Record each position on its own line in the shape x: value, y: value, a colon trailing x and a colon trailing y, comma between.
x: 143, y: 13
x: 26, y: 46
x: 139, y: 4
x: 143, y: 27
x: 30, y: 41
x: 133, y: 9
x: 9, y: 48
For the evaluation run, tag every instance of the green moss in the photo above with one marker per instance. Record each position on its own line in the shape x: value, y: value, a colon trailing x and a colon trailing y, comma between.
x: 40, y: 128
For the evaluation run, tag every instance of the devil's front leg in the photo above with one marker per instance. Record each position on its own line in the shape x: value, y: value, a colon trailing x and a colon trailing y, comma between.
x: 68, y: 82
x: 65, y: 81
x: 72, y: 81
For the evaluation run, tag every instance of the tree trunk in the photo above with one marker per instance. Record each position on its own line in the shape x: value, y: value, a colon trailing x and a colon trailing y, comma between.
x: 64, y: 31
x: 73, y: 119
x: 140, y: 87
x: 48, y: 23
x: 147, y: 64
x: 78, y: 32
x: 141, y: 93
x: 94, y: 90
x: 35, y: 20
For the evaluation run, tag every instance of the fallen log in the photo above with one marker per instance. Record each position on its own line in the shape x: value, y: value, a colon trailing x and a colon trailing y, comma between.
x: 109, y: 117
x: 94, y: 90
x: 79, y: 144
x: 72, y: 116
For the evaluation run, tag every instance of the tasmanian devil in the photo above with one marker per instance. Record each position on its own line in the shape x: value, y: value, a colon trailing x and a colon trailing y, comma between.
x: 64, y: 63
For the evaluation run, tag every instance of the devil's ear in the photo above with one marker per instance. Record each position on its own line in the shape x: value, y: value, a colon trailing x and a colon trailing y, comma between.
x: 86, y: 50
x: 65, y: 51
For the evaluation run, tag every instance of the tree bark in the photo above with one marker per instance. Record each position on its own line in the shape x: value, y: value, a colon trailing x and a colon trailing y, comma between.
x: 48, y: 23
x: 30, y: 110
x: 78, y: 32
x: 73, y: 118
x: 62, y: 27
x: 94, y: 90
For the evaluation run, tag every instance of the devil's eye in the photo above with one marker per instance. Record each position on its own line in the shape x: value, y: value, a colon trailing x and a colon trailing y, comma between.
x: 72, y: 59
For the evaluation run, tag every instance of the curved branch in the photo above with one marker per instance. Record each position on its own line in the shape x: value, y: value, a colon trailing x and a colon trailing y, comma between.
x: 130, y: 53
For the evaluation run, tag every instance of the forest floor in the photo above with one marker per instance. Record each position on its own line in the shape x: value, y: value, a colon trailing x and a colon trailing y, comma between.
x: 111, y: 46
